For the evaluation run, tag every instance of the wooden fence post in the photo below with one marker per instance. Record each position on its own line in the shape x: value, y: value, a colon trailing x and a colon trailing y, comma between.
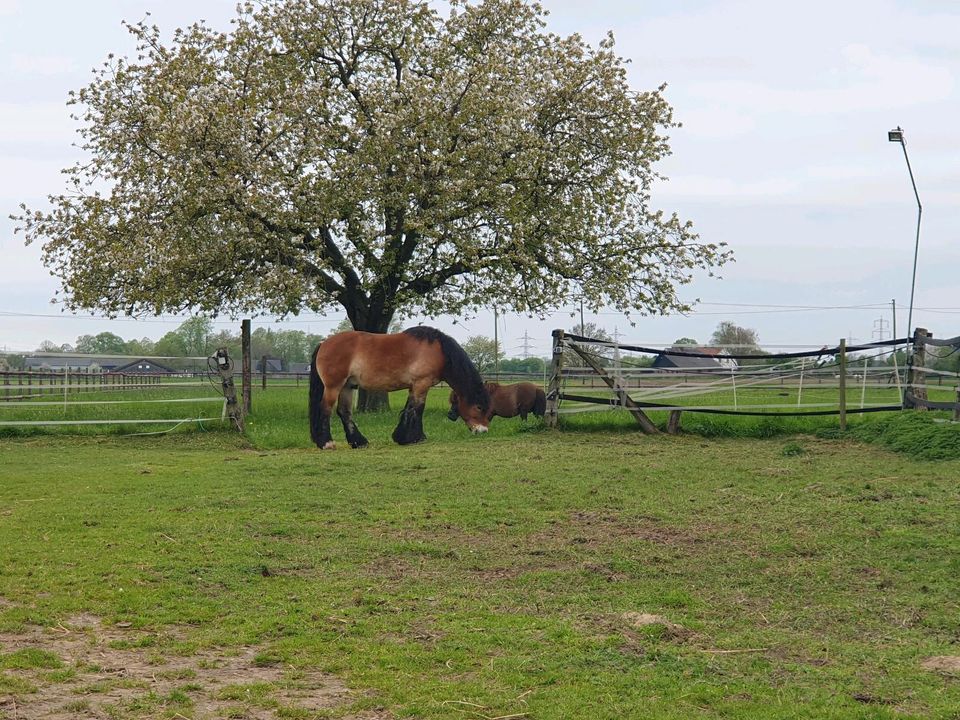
x: 673, y: 422
x: 916, y: 379
x: 553, y: 389
x: 225, y: 368
x: 843, y: 383
x: 245, y: 353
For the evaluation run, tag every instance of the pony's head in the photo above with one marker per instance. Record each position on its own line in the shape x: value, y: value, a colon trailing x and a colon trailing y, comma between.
x: 476, y: 418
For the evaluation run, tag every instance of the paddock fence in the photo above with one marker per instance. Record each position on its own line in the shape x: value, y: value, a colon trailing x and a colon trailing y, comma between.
x: 74, y: 397
x: 29, y: 384
x: 590, y: 375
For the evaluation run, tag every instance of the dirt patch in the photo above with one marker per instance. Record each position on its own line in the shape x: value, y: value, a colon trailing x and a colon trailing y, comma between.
x: 597, y: 528
x: 560, y: 545
x: 639, y: 620
x: 668, y: 630
x: 637, y: 630
x: 83, y: 669
x: 942, y: 663
x: 591, y: 528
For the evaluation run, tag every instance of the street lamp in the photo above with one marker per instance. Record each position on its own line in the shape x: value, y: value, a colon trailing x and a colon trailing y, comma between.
x: 897, y: 136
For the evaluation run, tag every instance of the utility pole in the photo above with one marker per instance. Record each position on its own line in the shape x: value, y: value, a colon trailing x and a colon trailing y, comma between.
x: 897, y: 136
x: 616, y: 355
x: 893, y: 304
x: 583, y: 328
x: 496, y: 345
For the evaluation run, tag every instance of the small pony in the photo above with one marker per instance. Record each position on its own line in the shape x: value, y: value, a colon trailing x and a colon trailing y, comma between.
x: 417, y: 358
x: 508, y: 401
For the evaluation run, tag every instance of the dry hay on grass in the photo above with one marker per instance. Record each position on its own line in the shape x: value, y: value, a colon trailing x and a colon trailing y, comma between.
x: 110, y: 673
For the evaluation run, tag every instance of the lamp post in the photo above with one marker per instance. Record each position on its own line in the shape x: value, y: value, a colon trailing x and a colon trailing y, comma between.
x: 897, y: 136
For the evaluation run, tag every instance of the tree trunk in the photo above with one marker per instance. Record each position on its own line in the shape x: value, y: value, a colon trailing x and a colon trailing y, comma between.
x: 372, y: 400
x: 362, y: 319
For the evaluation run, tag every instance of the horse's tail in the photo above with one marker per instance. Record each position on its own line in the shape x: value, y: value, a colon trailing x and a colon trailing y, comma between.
x: 540, y: 403
x: 316, y: 396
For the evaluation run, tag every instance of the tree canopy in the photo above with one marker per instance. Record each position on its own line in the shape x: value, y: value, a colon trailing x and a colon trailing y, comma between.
x: 103, y: 343
x: 595, y: 332
x: 736, y: 339
x: 195, y: 337
x: 375, y: 155
x: 485, y: 353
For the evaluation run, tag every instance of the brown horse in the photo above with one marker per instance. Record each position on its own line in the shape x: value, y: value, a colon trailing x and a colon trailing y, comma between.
x: 417, y: 359
x: 508, y: 400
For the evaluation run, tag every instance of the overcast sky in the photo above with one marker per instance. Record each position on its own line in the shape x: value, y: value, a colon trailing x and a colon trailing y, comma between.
x: 783, y: 154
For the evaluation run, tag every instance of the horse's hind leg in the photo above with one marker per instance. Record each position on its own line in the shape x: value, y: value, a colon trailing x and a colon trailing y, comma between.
x: 324, y: 439
x: 410, y: 428
x: 345, y: 410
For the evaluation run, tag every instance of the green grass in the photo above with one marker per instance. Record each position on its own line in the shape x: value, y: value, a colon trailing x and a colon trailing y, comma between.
x: 919, y: 435
x: 29, y: 658
x: 280, y: 413
x: 195, y: 401
x: 495, y: 576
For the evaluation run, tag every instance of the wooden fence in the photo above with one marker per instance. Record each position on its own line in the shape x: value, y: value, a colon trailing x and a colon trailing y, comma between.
x: 27, y: 384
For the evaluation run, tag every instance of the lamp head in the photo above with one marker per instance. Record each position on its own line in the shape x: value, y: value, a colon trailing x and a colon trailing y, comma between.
x: 895, y: 135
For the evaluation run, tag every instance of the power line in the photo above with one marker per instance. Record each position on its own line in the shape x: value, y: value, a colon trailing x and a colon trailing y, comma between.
x: 804, y: 307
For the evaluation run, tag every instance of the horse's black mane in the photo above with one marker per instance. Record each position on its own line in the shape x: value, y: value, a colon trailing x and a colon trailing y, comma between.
x: 459, y: 372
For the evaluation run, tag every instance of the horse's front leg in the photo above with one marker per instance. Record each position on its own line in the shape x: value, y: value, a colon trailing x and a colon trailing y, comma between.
x: 345, y: 410
x: 410, y: 428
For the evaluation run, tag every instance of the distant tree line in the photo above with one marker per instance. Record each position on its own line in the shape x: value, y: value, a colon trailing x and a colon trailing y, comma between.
x: 195, y: 337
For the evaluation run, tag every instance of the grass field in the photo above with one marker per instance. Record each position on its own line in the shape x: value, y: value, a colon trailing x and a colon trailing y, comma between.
x: 588, y: 573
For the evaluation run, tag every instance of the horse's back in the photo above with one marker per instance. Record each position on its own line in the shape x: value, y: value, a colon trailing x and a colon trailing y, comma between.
x: 377, y: 361
x: 332, y: 358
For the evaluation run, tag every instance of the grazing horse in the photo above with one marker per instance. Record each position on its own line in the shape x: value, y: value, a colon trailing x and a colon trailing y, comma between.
x: 417, y: 359
x: 508, y: 400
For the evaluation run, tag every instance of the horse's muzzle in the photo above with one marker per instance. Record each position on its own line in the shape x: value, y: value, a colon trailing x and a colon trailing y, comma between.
x: 477, y: 429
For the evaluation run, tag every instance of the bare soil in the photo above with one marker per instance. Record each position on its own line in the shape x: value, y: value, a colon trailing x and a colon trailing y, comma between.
x: 119, y: 672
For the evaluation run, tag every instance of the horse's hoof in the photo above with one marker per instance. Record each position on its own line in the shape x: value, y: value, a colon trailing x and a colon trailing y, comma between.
x: 359, y: 444
x: 330, y: 445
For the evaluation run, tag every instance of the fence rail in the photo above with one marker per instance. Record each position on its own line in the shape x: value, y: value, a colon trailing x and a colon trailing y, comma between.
x: 27, y: 384
x: 35, y: 398
x: 774, y: 389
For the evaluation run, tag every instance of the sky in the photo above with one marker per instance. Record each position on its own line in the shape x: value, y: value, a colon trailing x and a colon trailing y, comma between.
x: 782, y: 154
